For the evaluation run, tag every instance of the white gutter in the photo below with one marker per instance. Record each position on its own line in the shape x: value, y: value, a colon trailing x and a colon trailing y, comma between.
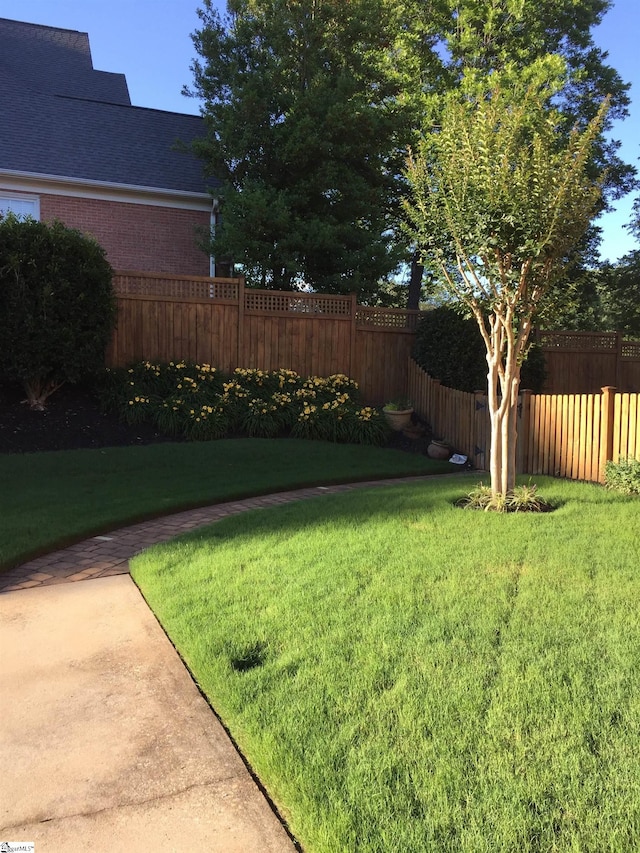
x: 34, y: 183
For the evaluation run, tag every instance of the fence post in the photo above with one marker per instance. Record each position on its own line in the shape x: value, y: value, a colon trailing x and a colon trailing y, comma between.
x: 240, y: 360
x: 606, y: 428
x: 352, y: 339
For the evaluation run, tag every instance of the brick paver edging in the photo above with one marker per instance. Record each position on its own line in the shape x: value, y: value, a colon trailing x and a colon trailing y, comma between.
x: 109, y: 554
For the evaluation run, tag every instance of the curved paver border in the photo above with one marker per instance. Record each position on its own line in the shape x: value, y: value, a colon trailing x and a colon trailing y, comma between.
x: 109, y: 554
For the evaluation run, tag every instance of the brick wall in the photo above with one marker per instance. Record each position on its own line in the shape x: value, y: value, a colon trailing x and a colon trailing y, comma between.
x: 136, y: 236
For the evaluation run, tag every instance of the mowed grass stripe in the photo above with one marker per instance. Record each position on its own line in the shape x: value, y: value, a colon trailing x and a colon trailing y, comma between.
x: 407, y: 676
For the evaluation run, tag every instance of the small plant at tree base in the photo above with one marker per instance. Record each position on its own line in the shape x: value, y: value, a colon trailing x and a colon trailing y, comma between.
x: 519, y: 499
x: 623, y: 476
x: 399, y: 405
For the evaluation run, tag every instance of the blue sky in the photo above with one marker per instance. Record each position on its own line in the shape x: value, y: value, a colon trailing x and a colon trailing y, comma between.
x: 149, y: 41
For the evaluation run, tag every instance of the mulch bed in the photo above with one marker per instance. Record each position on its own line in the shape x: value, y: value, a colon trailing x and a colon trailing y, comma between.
x: 73, y: 420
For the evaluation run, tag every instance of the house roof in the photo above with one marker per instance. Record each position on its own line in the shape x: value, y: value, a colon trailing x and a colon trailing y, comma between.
x: 63, y: 118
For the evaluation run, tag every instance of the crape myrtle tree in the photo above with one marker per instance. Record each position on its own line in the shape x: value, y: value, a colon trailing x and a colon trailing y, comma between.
x: 57, y: 305
x: 492, y: 35
x: 499, y: 199
x: 307, y: 130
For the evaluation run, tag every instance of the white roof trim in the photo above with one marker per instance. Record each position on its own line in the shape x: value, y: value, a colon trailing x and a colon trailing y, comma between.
x: 33, y: 182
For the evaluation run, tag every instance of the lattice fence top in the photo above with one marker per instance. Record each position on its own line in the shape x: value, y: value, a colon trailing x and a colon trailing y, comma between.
x: 301, y: 303
x: 225, y: 290
x: 178, y: 287
x: 597, y: 341
x: 200, y: 288
x: 387, y: 318
x: 631, y: 349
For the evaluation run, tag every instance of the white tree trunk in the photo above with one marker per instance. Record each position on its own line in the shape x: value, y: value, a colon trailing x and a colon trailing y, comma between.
x: 503, y: 381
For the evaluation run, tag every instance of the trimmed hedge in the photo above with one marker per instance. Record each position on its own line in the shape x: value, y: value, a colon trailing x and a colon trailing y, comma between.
x: 57, y: 306
x: 450, y: 348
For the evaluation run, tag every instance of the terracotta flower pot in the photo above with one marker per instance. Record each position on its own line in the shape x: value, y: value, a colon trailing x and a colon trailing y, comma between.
x: 438, y: 450
x: 398, y: 419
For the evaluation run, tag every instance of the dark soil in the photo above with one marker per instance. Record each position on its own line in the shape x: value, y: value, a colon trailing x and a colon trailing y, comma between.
x: 73, y: 419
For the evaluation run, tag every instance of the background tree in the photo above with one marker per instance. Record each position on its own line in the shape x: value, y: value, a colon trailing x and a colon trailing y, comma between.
x: 307, y: 130
x: 619, y: 296
x: 499, y: 199
x: 57, y: 306
x: 311, y: 104
x: 603, y: 297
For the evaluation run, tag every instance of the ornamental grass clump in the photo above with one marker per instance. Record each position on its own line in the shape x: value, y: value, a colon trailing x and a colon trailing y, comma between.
x: 195, y: 401
x: 522, y: 498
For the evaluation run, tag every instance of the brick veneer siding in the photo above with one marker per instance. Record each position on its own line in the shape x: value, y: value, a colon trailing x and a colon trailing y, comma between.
x: 136, y: 236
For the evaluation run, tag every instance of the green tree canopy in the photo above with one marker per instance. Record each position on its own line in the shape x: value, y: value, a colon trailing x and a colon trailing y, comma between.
x: 310, y: 105
x: 307, y: 131
x: 478, y: 37
x: 619, y: 296
x: 484, y: 36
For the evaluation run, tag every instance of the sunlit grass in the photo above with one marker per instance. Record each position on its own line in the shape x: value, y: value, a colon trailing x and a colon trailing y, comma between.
x: 407, y: 676
x: 49, y: 499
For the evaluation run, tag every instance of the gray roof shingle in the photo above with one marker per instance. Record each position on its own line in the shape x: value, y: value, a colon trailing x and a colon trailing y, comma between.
x: 61, y: 117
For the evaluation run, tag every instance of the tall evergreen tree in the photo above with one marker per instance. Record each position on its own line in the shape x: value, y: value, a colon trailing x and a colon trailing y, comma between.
x: 307, y: 129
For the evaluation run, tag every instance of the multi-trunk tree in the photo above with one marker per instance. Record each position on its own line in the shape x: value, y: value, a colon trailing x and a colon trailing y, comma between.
x: 499, y: 199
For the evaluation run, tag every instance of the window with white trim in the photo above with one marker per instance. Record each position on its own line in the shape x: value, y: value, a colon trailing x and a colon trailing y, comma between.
x: 22, y: 206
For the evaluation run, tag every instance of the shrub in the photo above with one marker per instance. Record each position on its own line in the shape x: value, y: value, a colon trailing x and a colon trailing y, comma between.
x: 623, y: 476
x: 57, y: 306
x: 450, y: 348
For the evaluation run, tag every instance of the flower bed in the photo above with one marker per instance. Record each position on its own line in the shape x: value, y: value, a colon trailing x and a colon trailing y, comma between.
x: 196, y: 401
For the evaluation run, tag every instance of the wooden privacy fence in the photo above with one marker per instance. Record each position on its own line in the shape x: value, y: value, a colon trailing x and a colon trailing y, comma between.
x: 584, y: 362
x: 565, y: 435
x: 222, y: 323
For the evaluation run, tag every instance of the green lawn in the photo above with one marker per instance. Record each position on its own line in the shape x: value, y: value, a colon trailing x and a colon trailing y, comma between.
x: 407, y: 676
x: 50, y: 499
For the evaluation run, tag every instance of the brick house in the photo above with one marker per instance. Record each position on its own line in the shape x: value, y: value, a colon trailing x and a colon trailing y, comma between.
x: 72, y: 147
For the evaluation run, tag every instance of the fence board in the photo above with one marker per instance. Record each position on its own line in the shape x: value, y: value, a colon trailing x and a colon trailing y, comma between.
x: 217, y: 321
x: 567, y: 435
x: 584, y: 362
